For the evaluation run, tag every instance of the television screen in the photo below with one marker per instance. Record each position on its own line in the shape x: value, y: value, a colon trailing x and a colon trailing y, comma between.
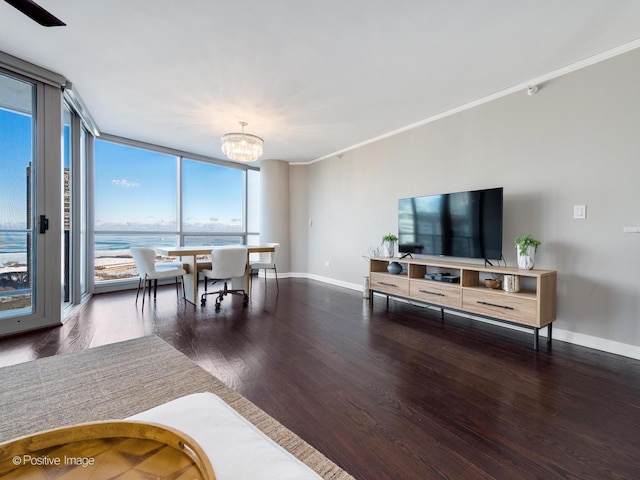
x: 462, y: 224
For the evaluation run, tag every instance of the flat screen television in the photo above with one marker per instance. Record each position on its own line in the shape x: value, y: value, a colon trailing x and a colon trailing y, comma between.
x: 461, y: 224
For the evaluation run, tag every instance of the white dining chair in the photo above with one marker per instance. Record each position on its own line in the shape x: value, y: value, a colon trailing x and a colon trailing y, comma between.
x: 163, y: 266
x: 227, y: 263
x: 148, y: 269
x: 267, y: 261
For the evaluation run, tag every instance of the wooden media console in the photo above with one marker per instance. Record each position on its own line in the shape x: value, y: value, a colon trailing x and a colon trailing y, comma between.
x: 534, y: 306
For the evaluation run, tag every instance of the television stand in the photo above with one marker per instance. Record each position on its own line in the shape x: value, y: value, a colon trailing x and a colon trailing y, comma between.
x: 534, y: 306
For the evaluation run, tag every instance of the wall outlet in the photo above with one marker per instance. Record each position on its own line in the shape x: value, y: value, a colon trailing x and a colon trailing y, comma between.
x: 327, y: 263
x: 631, y: 229
x: 579, y: 212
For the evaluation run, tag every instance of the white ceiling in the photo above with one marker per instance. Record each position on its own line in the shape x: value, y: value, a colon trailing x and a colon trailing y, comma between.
x: 312, y: 78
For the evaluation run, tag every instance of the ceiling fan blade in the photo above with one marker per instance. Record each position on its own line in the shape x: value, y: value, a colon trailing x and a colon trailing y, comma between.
x: 34, y: 11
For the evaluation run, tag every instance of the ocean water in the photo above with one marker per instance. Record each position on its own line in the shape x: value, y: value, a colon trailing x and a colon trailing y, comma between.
x: 13, y: 242
x: 107, y: 243
x: 16, y: 243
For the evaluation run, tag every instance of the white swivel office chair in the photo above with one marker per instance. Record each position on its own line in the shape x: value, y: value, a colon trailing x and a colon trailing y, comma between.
x: 267, y: 261
x: 145, y: 260
x: 226, y: 263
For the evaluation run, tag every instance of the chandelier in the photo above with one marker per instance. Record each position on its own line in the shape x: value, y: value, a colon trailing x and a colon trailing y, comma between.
x: 242, y: 147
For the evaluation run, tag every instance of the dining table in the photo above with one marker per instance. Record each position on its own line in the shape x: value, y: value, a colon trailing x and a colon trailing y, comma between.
x: 189, y: 257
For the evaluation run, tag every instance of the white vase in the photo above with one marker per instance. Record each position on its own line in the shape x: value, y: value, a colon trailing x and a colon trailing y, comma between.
x: 388, y: 249
x: 525, y: 262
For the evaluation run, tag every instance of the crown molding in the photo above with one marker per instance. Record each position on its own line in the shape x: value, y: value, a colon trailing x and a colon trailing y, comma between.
x: 627, y: 47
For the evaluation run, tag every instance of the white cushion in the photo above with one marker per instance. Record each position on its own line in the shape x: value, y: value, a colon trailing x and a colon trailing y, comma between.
x: 235, y: 447
x: 167, y: 265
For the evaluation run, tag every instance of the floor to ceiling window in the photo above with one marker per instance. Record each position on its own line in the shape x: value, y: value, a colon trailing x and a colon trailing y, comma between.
x: 212, y: 204
x: 75, y: 146
x: 135, y: 198
x: 67, y: 218
x: 86, y: 141
x: 151, y: 198
x: 17, y: 139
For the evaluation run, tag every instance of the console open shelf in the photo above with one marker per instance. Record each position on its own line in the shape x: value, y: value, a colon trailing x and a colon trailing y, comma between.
x: 460, y: 287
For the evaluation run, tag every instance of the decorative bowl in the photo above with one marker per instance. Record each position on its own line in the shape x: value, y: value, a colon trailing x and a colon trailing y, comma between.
x: 492, y: 283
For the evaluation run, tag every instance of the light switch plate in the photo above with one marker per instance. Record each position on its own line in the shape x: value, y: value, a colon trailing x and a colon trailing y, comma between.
x: 631, y: 229
x: 579, y: 212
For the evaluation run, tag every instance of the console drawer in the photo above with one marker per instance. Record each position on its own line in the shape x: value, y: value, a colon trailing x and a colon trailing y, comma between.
x: 435, y: 293
x: 504, y: 306
x: 393, y: 284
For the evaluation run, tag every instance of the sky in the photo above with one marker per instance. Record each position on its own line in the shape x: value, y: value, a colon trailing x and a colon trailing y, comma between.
x: 15, y: 155
x: 136, y: 189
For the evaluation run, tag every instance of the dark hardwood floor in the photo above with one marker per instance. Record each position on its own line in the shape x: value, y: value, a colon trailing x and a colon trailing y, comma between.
x: 390, y: 394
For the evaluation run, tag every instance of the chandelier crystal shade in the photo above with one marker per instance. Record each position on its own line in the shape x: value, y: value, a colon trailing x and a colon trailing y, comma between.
x: 242, y: 147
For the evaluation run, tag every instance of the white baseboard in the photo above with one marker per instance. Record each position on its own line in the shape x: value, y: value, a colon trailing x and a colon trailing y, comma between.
x: 603, y: 344
x: 339, y: 283
x: 597, y: 343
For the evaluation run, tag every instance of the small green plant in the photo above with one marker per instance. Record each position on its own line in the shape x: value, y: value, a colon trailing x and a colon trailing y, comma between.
x: 527, y: 241
x: 389, y: 237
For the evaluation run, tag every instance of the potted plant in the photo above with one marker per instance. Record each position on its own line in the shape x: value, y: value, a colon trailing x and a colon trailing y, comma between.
x: 389, y: 245
x: 526, y: 248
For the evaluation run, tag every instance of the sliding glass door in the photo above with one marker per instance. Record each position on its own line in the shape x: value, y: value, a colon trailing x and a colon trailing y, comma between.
x: 74, y: 210
x: 67, y: 217
x: 30, y: 217
x: 17, y: 196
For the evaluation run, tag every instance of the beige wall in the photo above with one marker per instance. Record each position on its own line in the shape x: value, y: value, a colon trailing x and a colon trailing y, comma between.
x: 575, y: 142
x: 298, y: 211
x: 274, y: 208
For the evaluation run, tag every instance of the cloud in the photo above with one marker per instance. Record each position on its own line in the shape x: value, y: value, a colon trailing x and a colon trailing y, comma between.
x: 125, y: 183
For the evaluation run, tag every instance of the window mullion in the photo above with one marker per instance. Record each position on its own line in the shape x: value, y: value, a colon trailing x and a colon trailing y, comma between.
x: 179, y: 200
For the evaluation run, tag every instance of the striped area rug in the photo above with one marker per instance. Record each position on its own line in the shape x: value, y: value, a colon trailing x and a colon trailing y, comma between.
x: 119, y: 380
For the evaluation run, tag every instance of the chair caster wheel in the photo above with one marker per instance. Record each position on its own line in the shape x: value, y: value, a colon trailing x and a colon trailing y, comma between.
x: 217, y: 307
x: 202, y: 302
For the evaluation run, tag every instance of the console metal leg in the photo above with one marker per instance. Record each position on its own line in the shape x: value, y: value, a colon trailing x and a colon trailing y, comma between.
x: 549, y: 333
x: 387, y: 302
x: 442, y: 314
x: 535, y: 338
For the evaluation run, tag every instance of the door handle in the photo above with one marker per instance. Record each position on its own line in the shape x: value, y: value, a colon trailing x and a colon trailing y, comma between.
x: 44, y: 224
